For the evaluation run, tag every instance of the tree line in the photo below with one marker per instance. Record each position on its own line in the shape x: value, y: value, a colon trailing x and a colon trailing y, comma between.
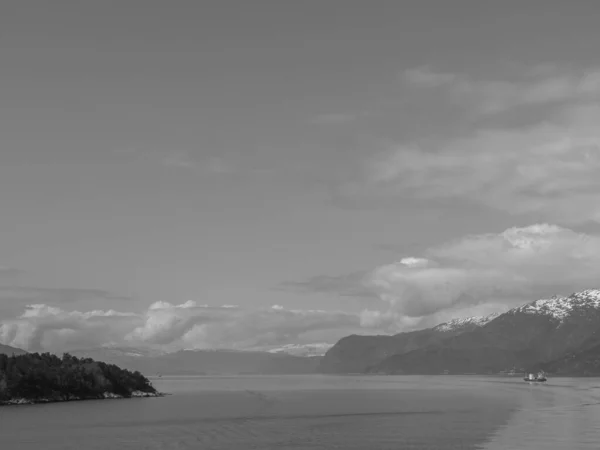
x: 47, y: 377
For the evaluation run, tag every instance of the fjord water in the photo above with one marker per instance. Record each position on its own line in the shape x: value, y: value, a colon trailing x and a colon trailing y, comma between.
x: 321, y: 412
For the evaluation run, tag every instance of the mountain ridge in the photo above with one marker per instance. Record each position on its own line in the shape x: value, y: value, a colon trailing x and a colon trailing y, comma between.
x: 355, y: 353
x: 8, y: 350
x: 560, y: 307
x: 560, y: 334
x: 205, y: 362
x: 462, y: 322
x: 531, y: 335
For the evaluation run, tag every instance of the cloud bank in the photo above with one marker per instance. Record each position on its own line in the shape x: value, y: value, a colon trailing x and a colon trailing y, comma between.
x: 42, y: 327
x: 536, y: 86
x: 484, y: 273
x: 475, y: 275
x: 547, y: 169
x: 172, y: 327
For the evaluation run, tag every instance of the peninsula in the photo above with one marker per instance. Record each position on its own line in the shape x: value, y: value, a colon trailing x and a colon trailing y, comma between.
x: 43, y: 378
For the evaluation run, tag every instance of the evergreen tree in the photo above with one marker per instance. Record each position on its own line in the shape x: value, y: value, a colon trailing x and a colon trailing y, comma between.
x: 45, y: 376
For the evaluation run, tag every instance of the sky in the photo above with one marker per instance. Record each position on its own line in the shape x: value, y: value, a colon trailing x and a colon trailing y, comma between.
x: 235, y: 174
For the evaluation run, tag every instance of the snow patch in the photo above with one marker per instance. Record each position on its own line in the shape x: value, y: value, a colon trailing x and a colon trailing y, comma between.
x: 561, y: 308
x: 456, y: 324
x: 317, y: 349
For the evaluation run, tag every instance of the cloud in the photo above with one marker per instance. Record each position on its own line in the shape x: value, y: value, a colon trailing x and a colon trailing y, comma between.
x: 193, y: 326
x: 478, y: 275
x: 475, y: 275
x: 549, y: 169
x: 487, y: 272
x: 173, y: 327
x: 43, y: 327
x: 539, y: 85
x: 545, y: 166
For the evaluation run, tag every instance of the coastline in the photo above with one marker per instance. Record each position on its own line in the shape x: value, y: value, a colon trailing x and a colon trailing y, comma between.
x: 105, y: 396
x: 369, y: 412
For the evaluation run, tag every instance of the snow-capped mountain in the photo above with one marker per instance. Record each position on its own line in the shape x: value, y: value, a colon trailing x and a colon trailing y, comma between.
x: 531, y: 335
x: 539, y: 331
x: 318, y: 349
x: 467, y: 322
x: 354, y: 353
x: 561, y: 308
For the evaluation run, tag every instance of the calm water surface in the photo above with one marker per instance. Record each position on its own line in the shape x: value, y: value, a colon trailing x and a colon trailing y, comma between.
x: 321, y: 412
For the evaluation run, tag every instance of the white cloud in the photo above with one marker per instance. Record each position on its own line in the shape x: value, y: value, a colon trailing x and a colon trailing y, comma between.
x: 167, y: 305
x: 173, y: 327
x: 543, y: 84
x: 43, y: 327
x: 484, y: 273
x: 234, y: 327
x: 550, y: 170
x: 475, y: 275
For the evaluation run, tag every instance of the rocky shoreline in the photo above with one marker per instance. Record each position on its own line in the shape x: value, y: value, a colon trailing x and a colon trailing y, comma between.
x: 105, y: 396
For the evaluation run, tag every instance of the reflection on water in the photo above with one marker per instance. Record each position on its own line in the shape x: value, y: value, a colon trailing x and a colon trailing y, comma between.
x: 321, y: 412
x: 564, y: 414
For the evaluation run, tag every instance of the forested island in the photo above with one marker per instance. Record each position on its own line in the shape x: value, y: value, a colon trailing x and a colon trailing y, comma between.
x: 43, y: 378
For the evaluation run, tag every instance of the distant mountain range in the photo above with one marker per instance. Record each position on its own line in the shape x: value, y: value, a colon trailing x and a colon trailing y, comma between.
x: 561, y: 335
x: 302, y: 349
x: 8, y: 350
x: 203, y: 362
x: 294, y: 359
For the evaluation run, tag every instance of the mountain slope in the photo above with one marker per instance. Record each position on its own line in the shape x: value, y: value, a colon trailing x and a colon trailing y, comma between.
x: 354, y: 354
x: 585, y: 361
x: 543, y: 330
x: 436, y: 360
x: 8, y: 350
x: 210, y: 362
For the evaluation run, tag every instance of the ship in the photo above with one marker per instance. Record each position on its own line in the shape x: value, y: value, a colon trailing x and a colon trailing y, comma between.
x: 539, y: 378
